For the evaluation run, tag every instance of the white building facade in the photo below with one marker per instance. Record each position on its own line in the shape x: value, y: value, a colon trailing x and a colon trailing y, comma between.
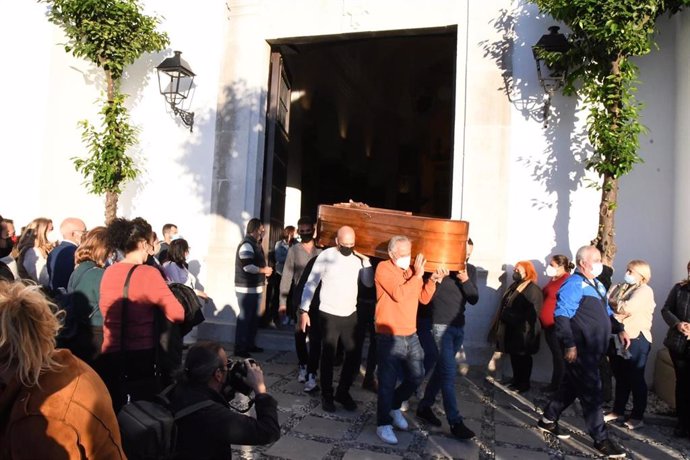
x: 520, y: 185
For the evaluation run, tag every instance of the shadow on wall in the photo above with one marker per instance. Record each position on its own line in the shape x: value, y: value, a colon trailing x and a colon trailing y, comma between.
x: 234, y: 172
x: 561, y: 169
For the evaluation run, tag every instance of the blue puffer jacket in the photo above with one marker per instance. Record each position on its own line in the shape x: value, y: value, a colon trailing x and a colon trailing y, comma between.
x: 583, y: 316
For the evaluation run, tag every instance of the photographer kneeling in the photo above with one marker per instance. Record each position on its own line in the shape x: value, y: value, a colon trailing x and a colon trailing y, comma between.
x: 209, y: 432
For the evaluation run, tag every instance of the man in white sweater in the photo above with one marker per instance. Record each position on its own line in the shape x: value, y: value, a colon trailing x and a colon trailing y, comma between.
x: 337, y: 269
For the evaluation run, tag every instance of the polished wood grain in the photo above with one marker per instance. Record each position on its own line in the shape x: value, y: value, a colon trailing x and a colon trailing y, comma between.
x: 442, y: 241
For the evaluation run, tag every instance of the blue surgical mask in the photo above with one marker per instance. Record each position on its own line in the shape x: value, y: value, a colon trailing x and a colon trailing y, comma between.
x: 629, y: 278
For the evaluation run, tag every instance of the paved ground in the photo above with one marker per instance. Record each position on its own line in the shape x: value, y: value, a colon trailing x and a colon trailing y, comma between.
x: 504, y: 423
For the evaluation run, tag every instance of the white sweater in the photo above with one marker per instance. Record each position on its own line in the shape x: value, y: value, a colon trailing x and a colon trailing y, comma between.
x: 338, y: 276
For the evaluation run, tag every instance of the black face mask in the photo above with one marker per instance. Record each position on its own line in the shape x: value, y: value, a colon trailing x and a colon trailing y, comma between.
x: 345, y: 251
x: 517, y: 276
x: 7, y: 249
x: 306, y: 237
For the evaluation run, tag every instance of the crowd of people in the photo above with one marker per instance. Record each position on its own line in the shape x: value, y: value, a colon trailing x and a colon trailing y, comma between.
x: 95, y: 321
x: 80, y: 315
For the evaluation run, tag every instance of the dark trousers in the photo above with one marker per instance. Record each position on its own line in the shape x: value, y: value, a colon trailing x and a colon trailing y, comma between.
x: 366, y: 326
x: 397, y: 355
x: 272, y: 299
x: 629, y: 375
x: 522, y: 369
x: 426, y: 340
x: 247, y: 321
x: 309, y: 355
x: 129, y: 377
x: 558, y: 363
x: 334, y: 328
x: 581, y: 381
x: 681, y: 364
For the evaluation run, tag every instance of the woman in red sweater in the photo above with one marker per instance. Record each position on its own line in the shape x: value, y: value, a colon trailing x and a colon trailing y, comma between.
x: 130, y: 371
x: 559, y: 270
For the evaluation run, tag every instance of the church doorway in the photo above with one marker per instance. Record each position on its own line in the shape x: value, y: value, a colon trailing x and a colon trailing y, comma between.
x: 367, y: 117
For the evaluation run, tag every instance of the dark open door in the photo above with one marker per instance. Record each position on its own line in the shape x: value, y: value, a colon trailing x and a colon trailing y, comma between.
x: 275, y: 162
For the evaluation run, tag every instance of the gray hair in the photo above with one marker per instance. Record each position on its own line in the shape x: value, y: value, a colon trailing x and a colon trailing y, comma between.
x: 582, y: 253
x: 393, y: 243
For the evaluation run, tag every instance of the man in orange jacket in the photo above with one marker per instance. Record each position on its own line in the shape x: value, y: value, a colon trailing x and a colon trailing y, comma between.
x: 399, y: 289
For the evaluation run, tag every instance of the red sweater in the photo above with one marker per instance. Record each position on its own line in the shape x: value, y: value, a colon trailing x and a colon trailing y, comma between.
x: 549, y: 306
x: 398, y: 294
x: 147, y: 291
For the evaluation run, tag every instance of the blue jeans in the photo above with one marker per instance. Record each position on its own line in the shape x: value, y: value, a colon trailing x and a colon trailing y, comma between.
x: 629, y: 374
x: 247, y: 321
x: 396, y: 353
x: 449, y: 341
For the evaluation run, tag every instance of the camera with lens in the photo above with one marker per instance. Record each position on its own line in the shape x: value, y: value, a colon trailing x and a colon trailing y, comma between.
x: 235, y: 380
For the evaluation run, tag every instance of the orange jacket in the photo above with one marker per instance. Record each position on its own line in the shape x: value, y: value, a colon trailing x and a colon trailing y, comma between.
x: 68, y: 415
x: 398, y: 293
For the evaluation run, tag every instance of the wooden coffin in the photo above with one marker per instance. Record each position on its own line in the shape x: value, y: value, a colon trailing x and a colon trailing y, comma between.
x: 442, y: 241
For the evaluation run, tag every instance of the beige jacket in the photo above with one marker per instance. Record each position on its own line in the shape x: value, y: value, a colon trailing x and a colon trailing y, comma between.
x: 635, y: 309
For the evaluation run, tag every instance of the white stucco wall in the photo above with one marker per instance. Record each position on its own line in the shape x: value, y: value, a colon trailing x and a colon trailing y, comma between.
x: 520, y: 185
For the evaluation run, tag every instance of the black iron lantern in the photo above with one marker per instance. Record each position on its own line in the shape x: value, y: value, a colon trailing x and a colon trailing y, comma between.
x: 175, y: 79
x: 550, y: 78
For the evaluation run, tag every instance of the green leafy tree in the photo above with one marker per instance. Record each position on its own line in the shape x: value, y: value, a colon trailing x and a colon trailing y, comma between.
x: 111, y: 34
x: 605, y: 35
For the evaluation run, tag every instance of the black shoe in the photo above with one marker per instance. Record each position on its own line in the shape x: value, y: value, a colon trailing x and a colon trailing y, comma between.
x: 346, y: 400
x: 256, y: 349
x: 518, y: 388
x: 242, y: 354
x: 371, y: 385
x: 609, y: 449
x: 460, y: 431
x: 426, y: 414
x: 327, y: 404
x: 552, y: 428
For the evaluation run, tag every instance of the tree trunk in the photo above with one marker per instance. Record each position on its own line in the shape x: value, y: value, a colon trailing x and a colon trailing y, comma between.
x: 606, y: 234
x: 110, y: 206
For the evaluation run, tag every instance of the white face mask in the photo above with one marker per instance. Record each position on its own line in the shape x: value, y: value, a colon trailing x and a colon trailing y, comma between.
x: 403, y: 262
x: 597, y: 268
x: 54, y: 236
x: 629, y: 278
x: 551, y: 271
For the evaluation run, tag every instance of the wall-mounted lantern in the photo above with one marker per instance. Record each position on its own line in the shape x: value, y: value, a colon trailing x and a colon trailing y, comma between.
x: 551, y: 79
x: 175, y: 79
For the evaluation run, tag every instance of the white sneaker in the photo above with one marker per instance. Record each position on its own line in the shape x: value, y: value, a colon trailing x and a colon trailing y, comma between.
x: 611, y: 417
x: 404, y: 406
x: 385, y: 434
x: 399, y: 420
x: 311, y: 383
x: 302, y: 375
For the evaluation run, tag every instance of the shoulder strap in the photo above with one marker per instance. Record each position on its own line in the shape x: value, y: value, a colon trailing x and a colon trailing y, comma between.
x: 125, y: 302
x: 193, y: 408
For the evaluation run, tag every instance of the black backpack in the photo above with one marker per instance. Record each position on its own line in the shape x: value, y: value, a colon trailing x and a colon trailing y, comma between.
x: 148, y: 428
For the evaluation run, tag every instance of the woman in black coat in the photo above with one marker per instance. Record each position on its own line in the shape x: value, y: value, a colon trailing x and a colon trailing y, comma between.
x: 517, y: 325
x: 676, y: 313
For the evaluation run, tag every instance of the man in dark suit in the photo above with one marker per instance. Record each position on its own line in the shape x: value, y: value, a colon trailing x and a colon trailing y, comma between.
x: 61, y: 259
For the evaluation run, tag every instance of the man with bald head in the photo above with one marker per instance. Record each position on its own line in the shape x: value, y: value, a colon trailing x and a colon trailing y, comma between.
x: 61, y: 259
x: 337, y: 269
